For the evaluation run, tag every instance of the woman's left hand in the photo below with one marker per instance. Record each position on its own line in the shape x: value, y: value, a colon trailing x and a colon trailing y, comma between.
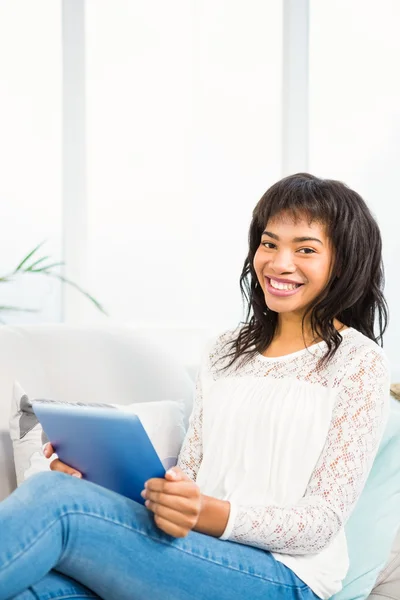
x: 176, y: 502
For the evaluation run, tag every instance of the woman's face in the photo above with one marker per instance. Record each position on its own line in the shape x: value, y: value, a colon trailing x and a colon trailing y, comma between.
x: 293, y: 263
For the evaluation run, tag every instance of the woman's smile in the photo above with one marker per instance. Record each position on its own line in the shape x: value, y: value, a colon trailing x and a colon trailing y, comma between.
x: 293, y: 262
x: 282, y: 288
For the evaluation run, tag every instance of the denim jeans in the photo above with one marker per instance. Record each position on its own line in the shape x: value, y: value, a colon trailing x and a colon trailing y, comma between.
x: 61, y: 537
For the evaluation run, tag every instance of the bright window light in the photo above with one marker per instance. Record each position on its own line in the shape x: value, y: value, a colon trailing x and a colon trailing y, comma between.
x: 355, y: 115
x: 183, y: 138
x: 30, y: 148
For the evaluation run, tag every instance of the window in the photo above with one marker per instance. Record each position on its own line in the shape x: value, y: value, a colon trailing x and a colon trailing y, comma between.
x: 183, y: 133
x: 30, y: 149
x: 355, y: 116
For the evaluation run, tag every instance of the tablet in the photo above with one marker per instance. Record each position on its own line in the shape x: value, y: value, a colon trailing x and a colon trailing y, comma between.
x: 109, y: 447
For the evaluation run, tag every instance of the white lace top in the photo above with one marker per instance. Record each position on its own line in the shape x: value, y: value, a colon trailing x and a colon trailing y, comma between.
x: 290, y: 446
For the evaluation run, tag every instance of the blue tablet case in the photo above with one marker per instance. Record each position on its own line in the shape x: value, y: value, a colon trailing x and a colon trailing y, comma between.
x: 109, y: 447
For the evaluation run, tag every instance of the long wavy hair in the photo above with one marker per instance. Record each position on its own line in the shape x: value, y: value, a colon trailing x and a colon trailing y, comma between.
x: 354, y: 292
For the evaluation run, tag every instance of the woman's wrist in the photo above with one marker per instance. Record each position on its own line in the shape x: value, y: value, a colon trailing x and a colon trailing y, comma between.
x: 213, y: 517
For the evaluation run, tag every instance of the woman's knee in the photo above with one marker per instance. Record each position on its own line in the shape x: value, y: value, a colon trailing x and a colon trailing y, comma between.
x: 47, y: 485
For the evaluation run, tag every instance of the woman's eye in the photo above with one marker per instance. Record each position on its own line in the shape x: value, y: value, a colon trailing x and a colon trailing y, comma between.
x: 268, y: 245
x: 307, y: 250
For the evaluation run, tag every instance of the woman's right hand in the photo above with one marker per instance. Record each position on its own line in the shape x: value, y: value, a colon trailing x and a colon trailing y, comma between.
x: 57, y: 465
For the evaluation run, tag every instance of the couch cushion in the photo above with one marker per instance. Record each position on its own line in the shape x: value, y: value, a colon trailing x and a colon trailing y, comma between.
x: 372, y: 527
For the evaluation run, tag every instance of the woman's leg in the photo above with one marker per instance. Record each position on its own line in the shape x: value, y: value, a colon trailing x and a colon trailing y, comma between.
x: 110, y: 545
x: 55, y: 586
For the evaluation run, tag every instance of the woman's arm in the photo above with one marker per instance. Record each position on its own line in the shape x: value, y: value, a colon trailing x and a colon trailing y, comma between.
x: 214, y: 513
x: 213, y: 517
x: 191, y: 453
x: 356, y: 429
x: 179, y: 507
x: 177, y: 503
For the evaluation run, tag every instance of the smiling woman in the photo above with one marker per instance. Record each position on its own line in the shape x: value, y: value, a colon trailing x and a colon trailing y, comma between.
x: 287, y: 418
x: 313, y: 247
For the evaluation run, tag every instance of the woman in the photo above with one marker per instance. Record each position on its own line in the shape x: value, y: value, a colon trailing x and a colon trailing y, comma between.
x: 288, y: 414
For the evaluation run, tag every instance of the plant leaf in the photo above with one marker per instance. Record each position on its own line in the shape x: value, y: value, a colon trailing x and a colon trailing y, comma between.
x: 44, y: 268
x: 37, y: 262
x: 18, y: 309
x: 28, y: 256
x: 77, y: 287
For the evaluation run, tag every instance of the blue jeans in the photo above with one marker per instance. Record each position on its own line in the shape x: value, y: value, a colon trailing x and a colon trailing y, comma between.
x: 61, y: 537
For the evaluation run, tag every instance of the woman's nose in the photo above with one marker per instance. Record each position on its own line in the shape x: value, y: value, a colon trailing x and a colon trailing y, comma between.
x: 282, y: 262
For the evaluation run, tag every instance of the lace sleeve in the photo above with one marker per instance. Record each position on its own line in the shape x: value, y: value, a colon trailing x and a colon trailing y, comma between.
x: 191, y: 453
x: 356, y: 428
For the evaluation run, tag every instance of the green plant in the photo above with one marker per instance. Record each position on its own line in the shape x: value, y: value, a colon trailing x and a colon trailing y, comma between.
x: 32, y: 264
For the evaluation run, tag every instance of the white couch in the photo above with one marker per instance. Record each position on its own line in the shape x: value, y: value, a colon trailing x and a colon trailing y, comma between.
x: 107, y: 364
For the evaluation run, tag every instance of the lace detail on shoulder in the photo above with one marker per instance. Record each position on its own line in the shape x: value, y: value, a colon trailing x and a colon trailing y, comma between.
x: 191, y: 453
x: 302, y: 365
x: 356, y: 428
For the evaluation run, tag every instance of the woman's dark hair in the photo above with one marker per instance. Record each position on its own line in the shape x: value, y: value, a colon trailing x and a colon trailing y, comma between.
x: 353, y: 294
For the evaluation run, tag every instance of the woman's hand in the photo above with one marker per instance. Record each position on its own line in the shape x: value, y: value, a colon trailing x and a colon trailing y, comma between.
x: 57, y: 465
x: 176, y: 502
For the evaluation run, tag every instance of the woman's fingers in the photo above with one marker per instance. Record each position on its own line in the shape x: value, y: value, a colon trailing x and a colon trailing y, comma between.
x: 170, y: 520
x: 170, y: 528
x: 177, y: 503
x: 48, y: 450
x: 57, y: 465
x: 186, y: 488
x: 176, y: 474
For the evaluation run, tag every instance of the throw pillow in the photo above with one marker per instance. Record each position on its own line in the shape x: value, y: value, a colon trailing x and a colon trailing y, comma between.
x: 163, y: 421
x: 373, y: 524
x: 388, y: 584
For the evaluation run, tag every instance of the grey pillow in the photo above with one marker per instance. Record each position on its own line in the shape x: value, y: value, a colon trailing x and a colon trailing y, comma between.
x: 28, y: 420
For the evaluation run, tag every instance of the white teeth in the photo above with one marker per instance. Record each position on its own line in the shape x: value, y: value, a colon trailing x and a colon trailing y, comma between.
x: 283, y: 286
